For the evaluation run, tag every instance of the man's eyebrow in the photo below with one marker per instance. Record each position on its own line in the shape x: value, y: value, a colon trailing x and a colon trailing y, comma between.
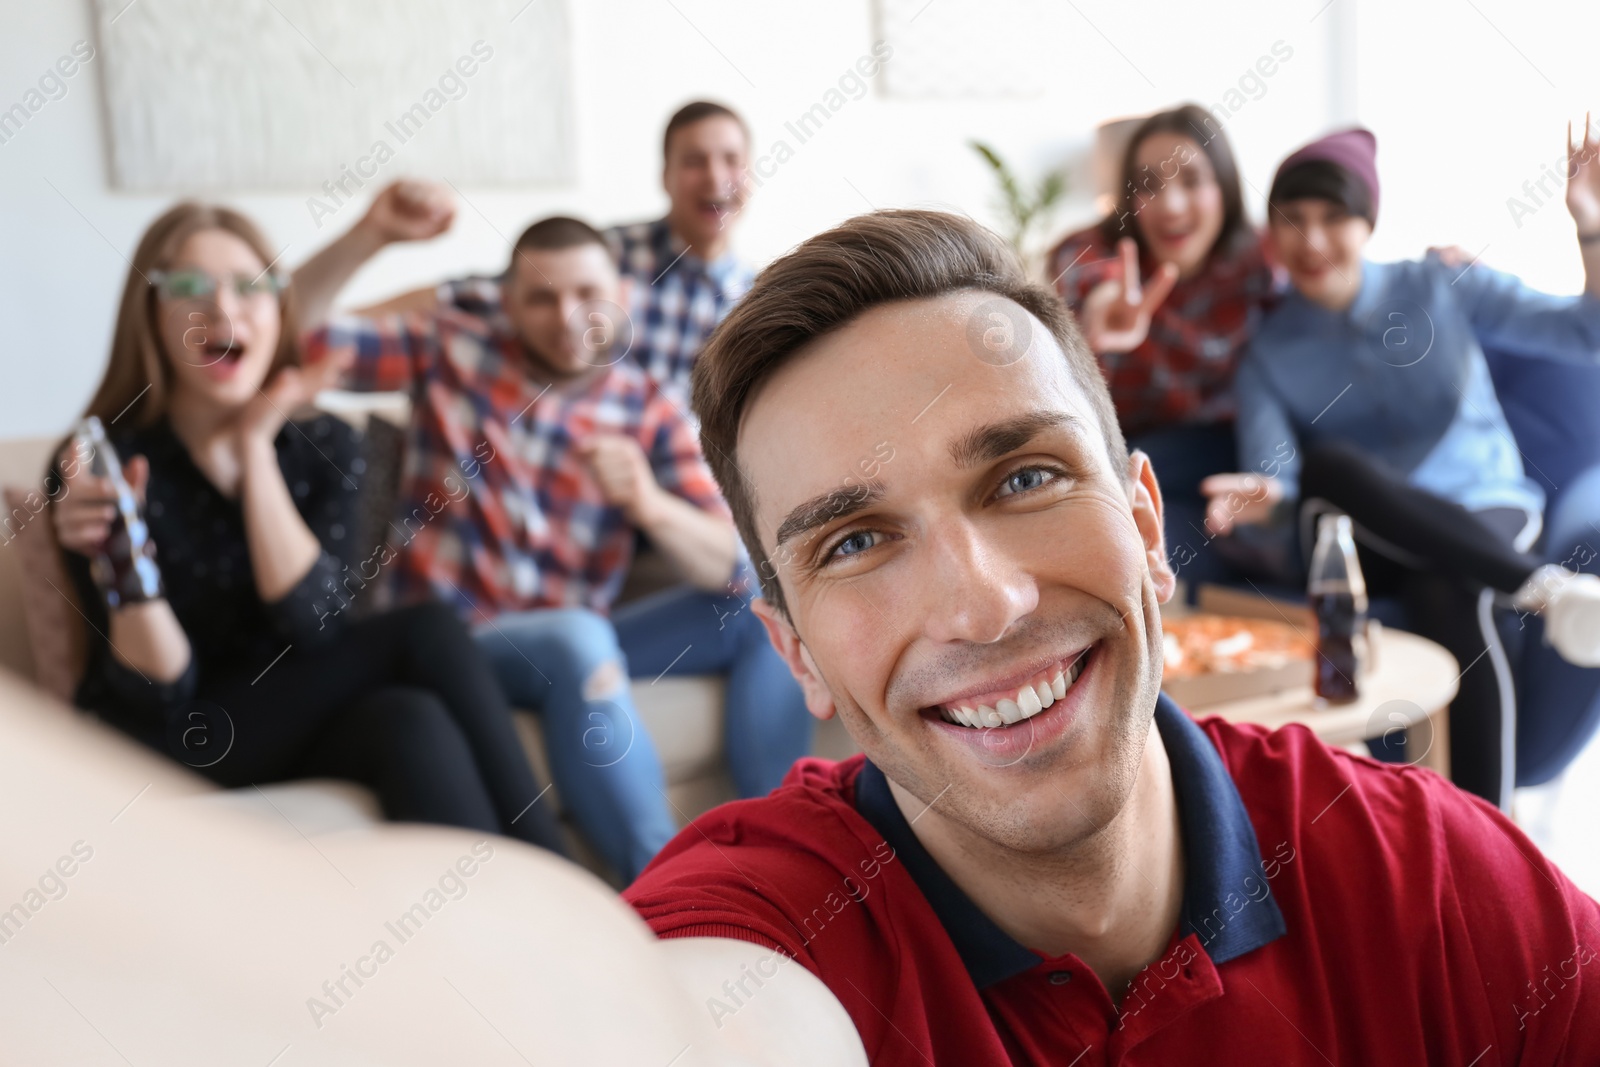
x: 989, y: 443
x: 825, y: 507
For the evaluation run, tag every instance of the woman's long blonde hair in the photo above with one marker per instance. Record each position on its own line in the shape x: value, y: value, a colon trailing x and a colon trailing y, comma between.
x: 138, y: 380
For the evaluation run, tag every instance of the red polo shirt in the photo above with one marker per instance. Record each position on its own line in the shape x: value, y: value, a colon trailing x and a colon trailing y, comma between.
x: 1335, y: 910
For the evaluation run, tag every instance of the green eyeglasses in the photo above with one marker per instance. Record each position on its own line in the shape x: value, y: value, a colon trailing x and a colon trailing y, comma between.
x: 195, y: 285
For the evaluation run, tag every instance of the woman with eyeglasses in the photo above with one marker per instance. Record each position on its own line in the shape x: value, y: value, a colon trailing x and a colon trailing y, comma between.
x: 242, y: 662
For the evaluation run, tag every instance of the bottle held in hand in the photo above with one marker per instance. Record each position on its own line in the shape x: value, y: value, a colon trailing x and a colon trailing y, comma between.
x: 124, y: 567
x: 1338, y: 595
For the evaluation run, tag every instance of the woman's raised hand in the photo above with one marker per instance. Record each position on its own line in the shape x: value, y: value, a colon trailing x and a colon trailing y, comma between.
x: 288, y: 389
x: 1116, y: 313
x: 1583, y: 181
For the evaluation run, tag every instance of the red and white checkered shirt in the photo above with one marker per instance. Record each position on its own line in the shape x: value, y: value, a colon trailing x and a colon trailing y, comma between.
x: 1183, y: 372
x: 500, y: 514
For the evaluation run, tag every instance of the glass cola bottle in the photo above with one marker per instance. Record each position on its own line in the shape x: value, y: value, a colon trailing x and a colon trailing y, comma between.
x: 1338, y: 596
x: 124, y: 566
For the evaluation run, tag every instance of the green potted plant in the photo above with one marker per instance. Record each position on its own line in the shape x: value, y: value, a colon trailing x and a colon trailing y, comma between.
x: 1024, y: 208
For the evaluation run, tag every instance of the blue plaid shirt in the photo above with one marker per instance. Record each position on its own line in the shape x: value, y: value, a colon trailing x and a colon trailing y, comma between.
x: 677, y: 298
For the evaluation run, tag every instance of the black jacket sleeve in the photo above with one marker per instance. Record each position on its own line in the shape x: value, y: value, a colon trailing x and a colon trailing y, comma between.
x: 322, y: 464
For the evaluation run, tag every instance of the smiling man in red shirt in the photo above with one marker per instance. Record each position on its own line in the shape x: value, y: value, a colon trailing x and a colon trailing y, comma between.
x: 1039, y: 859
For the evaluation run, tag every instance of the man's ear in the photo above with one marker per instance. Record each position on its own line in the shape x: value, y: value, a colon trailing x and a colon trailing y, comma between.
x: 819, y: 698
x: 625, y: 292
x: 1144, y: 497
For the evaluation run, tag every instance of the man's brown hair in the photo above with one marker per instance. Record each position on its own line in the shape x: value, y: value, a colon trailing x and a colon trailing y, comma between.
x: 556, y: 233
x: 698, y: 111
x: 829, y: 281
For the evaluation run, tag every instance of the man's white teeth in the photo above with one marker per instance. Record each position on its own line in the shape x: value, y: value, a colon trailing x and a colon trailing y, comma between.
x: 1029, y: 701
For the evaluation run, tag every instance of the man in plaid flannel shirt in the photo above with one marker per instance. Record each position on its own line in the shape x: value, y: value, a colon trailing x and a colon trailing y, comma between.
x: 536, y: 454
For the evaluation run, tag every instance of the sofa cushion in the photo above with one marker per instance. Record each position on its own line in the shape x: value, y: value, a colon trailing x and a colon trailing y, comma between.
x: 309, y: 805
x: 1550, y: 407
x: 55, y: 627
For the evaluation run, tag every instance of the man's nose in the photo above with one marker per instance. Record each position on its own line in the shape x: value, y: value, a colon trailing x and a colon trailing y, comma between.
x: 975, y: 592
x: 723, y: 177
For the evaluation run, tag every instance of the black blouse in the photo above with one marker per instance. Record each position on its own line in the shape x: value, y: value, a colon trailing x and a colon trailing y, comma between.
x: 204, y: 557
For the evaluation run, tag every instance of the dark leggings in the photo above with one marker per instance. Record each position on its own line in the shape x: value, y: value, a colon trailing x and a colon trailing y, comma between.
x: 401, y: 702
x: 1440, y: 559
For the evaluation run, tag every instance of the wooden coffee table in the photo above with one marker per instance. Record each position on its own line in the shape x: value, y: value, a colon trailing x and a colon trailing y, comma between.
x: 1410, y: 686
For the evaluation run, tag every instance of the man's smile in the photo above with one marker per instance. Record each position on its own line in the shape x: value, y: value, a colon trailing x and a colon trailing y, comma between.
x: 1011, y: 701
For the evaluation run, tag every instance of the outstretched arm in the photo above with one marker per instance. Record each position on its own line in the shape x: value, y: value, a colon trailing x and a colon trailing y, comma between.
x: 403, y: 211
x: 765, y: 1008
x: 1510, y: 316
x: 412, y: 302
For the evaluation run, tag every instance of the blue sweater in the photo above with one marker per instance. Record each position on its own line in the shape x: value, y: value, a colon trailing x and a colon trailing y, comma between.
x: 1401, y: 372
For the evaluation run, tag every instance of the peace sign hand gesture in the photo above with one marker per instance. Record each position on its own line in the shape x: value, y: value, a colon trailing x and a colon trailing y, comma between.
x: 1116, y: 313
x: 1583, y: 181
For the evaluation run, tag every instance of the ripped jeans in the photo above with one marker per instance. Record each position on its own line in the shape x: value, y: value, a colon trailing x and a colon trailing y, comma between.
x: 570, y: 666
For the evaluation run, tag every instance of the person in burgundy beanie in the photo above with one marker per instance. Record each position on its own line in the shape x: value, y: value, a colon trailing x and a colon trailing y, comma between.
x: 1418, y: 450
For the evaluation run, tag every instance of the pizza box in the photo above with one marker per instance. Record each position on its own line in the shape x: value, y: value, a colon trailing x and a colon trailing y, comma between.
x: 1196, y: 691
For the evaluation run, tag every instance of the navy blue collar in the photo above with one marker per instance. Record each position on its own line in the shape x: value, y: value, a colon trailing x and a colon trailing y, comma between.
x: 1221, y: 861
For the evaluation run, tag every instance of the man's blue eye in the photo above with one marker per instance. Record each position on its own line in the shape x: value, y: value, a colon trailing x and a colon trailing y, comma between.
x: 1023, y: 480
x: 854, y: 544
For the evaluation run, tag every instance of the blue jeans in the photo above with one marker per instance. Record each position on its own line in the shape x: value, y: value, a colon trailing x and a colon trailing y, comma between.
x: 570, y: 666
x: 565, y: 664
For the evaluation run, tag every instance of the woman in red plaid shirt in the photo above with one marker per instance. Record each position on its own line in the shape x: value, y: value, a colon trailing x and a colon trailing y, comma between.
x: 1168, y: 288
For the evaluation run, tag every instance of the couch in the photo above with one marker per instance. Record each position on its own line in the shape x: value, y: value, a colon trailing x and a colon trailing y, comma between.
x: 682, y: 714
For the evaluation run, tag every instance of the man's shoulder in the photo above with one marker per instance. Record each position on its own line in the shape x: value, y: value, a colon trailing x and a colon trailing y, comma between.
x: 1394, y: 878
x: 635, y: 245
x: 1366, y: 826
x: 1271, y: 766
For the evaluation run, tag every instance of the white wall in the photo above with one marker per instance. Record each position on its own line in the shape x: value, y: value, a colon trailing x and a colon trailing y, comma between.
x: 64, y: 232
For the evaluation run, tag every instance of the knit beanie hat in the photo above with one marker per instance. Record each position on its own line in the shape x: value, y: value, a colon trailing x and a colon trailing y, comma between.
x: 1355, y: 150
